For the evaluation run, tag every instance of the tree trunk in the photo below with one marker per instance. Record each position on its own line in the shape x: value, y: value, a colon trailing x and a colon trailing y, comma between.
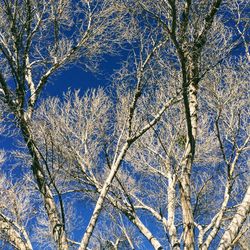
x: 155, y: 243
x: 190, y: 87
x: 13, y: 236
x: 57, y: 228
x: 236, y: 224
x: 175, y: 244
x: 101, y: 199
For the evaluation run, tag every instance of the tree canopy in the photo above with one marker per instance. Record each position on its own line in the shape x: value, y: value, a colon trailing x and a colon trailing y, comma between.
x: 156, y: 159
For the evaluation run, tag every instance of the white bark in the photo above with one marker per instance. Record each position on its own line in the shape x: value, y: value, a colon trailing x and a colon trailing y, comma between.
x: 236, y: 224
x: 102, y: 196
x: 175, y: 244
x: 113, y: 171
x: 9, y: 230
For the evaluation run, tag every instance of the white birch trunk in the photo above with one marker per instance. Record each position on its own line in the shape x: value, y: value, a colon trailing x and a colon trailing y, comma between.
x: 13, y: 236
x: 175, y: 244
x: 101, y: 199
x: 237, y: 222
x: 57, y: 228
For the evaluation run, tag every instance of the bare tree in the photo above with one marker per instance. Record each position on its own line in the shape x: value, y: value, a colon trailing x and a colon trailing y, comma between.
x: 37, y: 39
x: 162, y: 152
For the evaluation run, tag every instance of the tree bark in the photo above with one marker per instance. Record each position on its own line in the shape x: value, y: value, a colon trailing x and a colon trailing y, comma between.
x: 102, y: 196
x: 175, y: 244
x: 13, y: 236
x: 236, y: 224
x: 56, y: 224
x: 190, y: 88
